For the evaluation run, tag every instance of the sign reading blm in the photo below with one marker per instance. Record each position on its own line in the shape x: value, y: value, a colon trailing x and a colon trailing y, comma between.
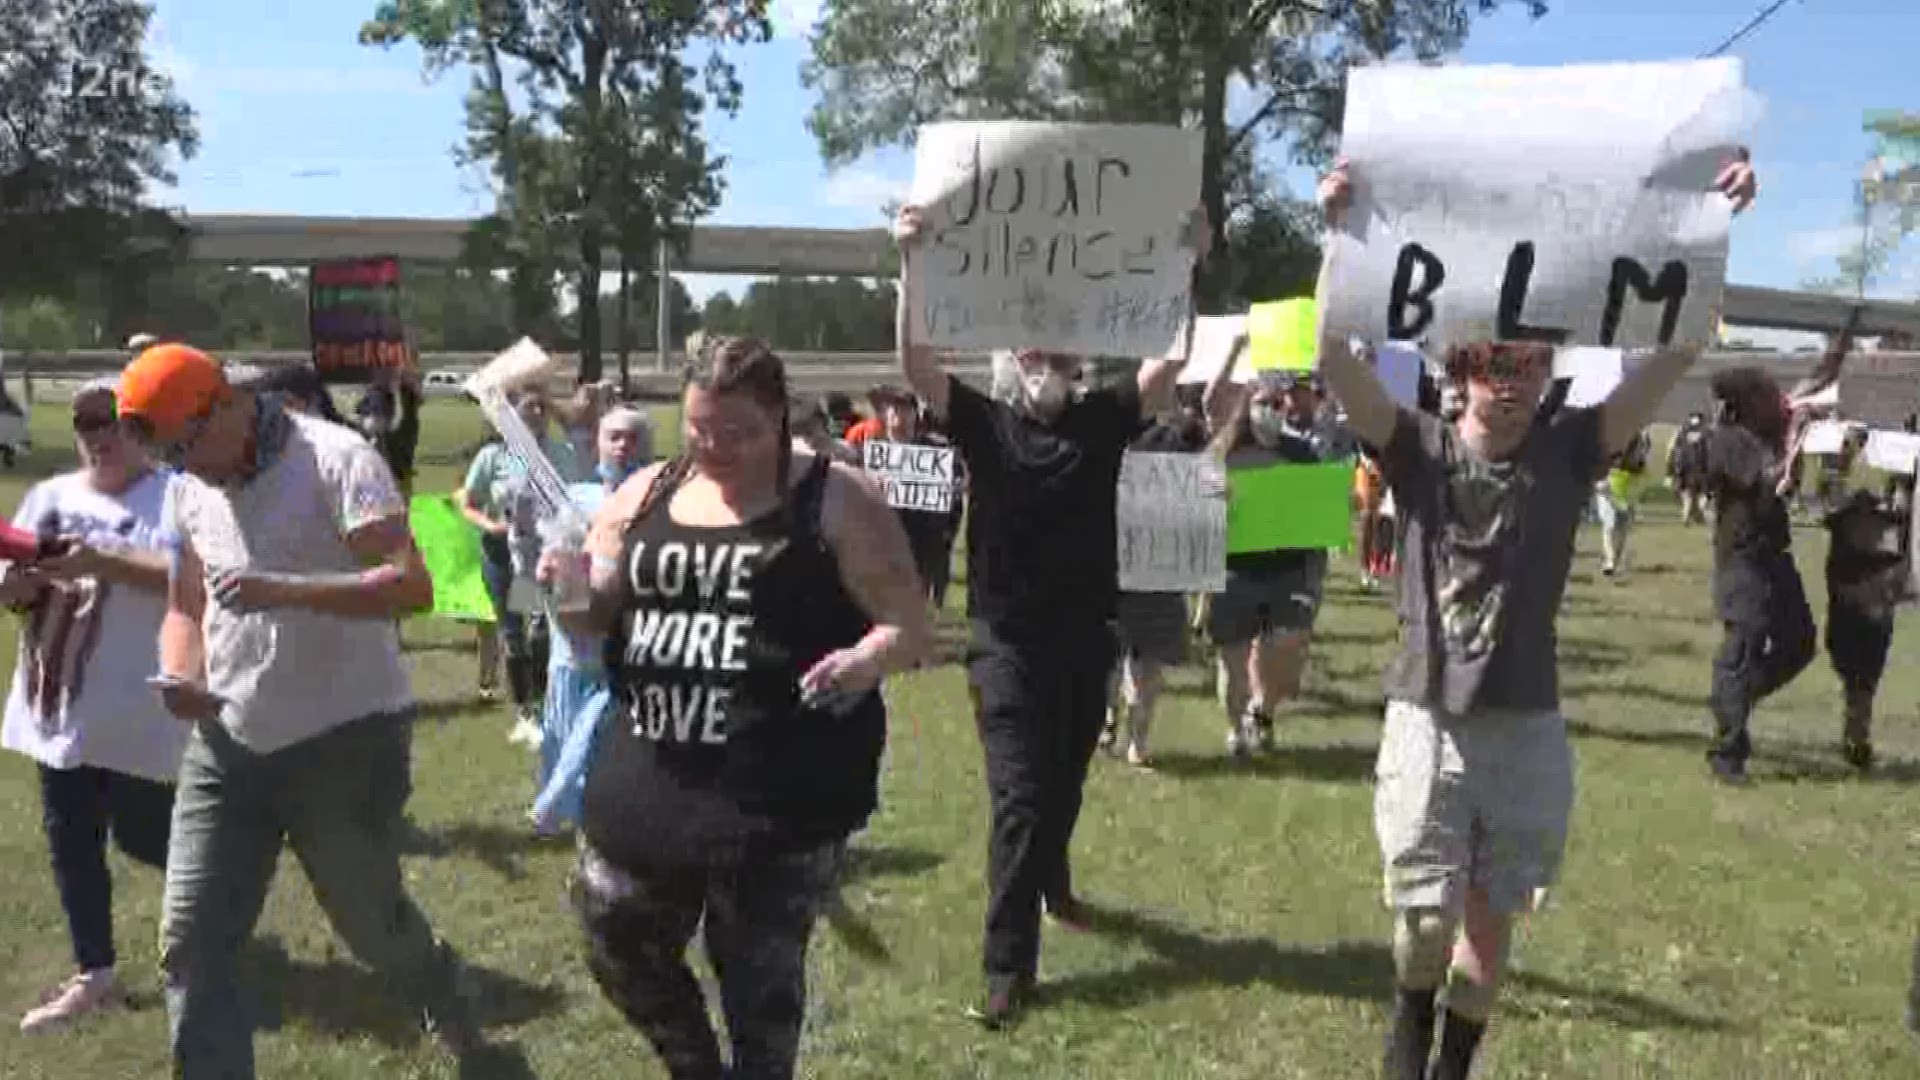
x: 1069, y: 237
x: 1569, y: 205
x: 916, y: 477
x: 353, y: 312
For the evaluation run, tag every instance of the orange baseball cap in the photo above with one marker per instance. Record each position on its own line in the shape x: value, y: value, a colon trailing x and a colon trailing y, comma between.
x: 167, y: 386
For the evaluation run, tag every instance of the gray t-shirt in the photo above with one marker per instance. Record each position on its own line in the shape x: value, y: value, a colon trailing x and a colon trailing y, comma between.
x: 1484, y: 552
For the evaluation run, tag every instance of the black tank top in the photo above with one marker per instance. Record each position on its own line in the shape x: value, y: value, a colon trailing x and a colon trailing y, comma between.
x: 708, y: 755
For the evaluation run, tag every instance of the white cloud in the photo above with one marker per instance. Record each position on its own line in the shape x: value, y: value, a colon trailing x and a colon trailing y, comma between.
x: 855, y: 188
x: 794, y: 18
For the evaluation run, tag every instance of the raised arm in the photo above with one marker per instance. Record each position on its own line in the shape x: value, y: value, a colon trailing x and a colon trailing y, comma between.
x: 1158, y: 377
x: 1371, y: 412
x: 919, y: 364
x: 1221, y: 401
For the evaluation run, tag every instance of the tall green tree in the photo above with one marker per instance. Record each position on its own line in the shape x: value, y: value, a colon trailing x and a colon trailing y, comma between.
x: 86, y: 125
x: 589, y: 114
x: 881, y: 68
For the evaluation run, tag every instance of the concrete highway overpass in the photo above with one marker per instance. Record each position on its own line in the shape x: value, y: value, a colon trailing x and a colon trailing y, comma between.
x: 270, y: 240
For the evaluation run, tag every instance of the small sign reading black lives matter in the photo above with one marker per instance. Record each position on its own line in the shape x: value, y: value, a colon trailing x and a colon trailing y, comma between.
x: 916, y: 477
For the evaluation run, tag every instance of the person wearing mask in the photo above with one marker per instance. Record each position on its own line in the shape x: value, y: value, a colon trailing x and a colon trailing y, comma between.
x: 493, y: 486
x: 1044, y: 466
x: 755, y: 596
x: 1475, y: 774
x: 280, y: 647
x: 388, y: 414
x: 1262, y: 621
x: 107, y: 752
x: 1614, y: 500
x: 576, y: 670
x: 1687, y: 468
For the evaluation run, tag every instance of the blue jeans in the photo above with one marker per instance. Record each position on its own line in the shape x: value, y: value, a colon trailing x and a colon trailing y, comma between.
x: 79, y: 807
x: 576, y: 701
x: 337, y: 800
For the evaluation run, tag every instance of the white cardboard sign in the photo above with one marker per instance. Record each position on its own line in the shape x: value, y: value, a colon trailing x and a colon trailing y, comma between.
x: 1213, y: 338
x: 1893, y: 451
x: 1172, y: 516
x: 916, y: 477
x: 1595, y: 374
x: 1069, y: 237
x: 1398, y: 365
x: 1570, y: 205
x: 1824, y: 437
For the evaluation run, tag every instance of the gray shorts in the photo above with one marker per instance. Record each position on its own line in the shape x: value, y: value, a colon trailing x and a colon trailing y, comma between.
x: 1254, y: 605
x: 1153, y: 627
x: 1471, y: 801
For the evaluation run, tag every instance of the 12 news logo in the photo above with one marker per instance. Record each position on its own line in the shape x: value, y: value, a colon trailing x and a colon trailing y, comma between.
x: 93, y: 79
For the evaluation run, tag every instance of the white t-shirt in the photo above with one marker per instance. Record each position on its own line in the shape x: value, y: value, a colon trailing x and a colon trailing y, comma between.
x: 113, y: 719
x: 289, y: 674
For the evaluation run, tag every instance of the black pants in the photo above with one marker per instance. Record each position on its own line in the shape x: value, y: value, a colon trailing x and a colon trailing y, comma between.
x: 523, y: 640
x: 1768, y: 644
x: 79, y: 807
x: 758, y: 917
x: 1042, y: 698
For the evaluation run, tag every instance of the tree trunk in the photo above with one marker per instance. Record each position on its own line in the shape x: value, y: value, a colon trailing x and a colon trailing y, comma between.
x: 1212, y: 280
x: 623, y: 333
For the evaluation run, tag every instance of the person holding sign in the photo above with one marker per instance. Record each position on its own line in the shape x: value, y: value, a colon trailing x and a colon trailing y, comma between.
x: 755, y: 597
x: 1042, y: 552
x: 925, y: 486
x: 1475, y: 770
x: 1262, y: 622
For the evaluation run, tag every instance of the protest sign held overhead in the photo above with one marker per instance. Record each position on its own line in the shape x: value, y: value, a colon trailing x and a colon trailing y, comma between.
x: 1284, y: 335
x: 353, y: 313
x: 1214, y: 340
x: 1399, y: 364
x: 1172, y: 523
x: 1892, y: 451
x: 1570, y: 205
x: 1595, y: 374
x: 916, y: 477
x: 1070, y: 237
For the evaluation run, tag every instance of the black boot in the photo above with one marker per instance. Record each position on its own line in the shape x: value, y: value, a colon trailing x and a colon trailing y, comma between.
x: 1409, y: 1035
x: 1459, y: 1038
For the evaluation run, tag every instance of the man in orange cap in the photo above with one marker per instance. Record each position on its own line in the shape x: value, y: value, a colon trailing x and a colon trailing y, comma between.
x: 280, y: 645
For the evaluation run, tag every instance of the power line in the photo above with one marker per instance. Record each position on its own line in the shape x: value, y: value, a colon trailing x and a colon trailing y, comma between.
x: 1752, y: 25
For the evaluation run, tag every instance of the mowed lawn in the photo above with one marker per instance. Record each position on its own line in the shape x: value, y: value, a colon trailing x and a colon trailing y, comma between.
x: 1698, y: 931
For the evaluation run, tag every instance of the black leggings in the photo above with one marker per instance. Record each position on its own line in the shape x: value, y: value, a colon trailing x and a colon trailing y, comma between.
x: 1766, y: 647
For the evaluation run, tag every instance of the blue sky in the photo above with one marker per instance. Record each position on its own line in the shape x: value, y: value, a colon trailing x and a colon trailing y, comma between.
x: 296, y: 117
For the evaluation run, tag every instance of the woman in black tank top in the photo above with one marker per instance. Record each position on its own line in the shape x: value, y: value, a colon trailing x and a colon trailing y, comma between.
x: 753, y: 600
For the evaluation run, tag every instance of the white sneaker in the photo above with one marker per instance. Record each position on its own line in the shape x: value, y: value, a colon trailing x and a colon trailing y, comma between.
x: 526, y: 732
x: 78, y: 997
x: 1138, y: 757
x: 1237, y: 742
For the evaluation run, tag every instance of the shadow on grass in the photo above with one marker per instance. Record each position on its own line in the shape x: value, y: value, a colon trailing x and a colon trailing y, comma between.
x: 1338, y: 763
x: 1337, y: 637
x: 1337, y: 700
x: 1621, y: 1008
x: 341, y: 998
x: 441, y: 645
x: 866, y: 861
x: 439, y: 710
x: 1593, y: 655
x: 1791, y: 762
x: 1356, y: 970
x: 1693, y: 702
x: 500, y: 850
x: 1183, y: 958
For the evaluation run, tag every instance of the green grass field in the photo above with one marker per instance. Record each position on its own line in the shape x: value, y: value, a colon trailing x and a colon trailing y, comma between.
x: 1697, y: 932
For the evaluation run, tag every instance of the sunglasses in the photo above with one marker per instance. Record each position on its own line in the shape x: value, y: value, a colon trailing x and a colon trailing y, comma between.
x: 1057, y: 361
x: 94, y: 423
x: 1503, y: 365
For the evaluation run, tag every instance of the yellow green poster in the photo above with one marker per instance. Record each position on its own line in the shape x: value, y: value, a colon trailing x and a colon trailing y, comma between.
x: 1288, y: 507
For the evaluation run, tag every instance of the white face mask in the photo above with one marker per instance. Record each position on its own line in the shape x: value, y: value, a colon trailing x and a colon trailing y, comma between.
x: 1046, y: 390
